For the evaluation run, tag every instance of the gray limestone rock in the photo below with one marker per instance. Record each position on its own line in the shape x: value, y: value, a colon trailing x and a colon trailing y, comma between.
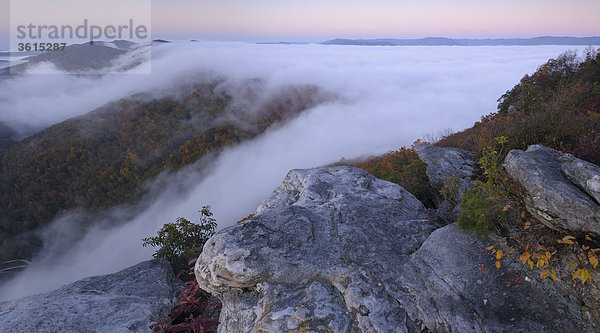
x: 561, y: 191
x: 126, y: 301
x: 317, y: 255
x: 337, y: 250
x: 443, y: 286
x: 445, y: 164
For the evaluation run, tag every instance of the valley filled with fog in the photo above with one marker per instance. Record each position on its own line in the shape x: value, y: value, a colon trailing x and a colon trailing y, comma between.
x: 385, y: 97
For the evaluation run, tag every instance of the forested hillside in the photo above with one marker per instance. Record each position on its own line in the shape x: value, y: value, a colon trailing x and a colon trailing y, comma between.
x: 558, y: 106
x: 103, y: 158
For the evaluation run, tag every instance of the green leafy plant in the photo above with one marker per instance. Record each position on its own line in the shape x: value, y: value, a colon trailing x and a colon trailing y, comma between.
x: 451, y: 190
x: 182, y: 240
x: 486, y: 204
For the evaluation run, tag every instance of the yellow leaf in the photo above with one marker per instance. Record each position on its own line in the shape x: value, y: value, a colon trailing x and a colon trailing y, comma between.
x: 505, y: 208
x: 499, y: 255
x: 530, y: 264
x: 585, y: 248
x: 498, y: 265
x: 554, y: 274
x: 588, y: 238
x: 490, y: 247
x: 541, y: 247
x: 541, y: 263
x: 523, y: 215
x: 573, y: 266
x: 548, y: 254
x: 585, y: 275
x: 544, y: 274
x: 577, y: 273
x: 593, y: 259
x: 524, y: 257
x: 579, y: 257
x: 566, y: 240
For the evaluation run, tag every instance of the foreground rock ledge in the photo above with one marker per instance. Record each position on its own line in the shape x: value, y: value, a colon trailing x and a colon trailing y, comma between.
x: 562, y: 191
x: 126, y: 301
x: 330, y: 251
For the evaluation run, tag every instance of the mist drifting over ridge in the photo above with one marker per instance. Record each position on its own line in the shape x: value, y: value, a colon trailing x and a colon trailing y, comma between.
x: 388, y: 98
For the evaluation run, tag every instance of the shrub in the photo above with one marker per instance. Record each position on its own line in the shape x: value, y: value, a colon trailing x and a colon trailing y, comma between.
x: 195, y: 311
x: 478, y: 213
x: 486, y: 204
x: 182, y: 240
x: 405, y: 168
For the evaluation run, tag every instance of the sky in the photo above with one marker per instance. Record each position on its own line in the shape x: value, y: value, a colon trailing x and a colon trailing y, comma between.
x: 317, y: 20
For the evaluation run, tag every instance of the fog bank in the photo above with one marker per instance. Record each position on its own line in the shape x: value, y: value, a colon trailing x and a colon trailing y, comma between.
x: 390, y: 96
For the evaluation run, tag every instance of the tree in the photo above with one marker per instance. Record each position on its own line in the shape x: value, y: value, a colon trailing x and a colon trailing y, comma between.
x: 182, y: 241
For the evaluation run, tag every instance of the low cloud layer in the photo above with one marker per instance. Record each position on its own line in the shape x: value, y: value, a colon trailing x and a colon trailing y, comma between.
x: 390, y: 96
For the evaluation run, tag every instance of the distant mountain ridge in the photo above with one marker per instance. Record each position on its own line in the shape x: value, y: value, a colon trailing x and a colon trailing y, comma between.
x: 443, y: 41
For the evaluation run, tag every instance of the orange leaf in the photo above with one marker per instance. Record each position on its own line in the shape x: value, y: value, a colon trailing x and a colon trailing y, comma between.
x: 505, y: 208
x: 499, y: 255
x: 524, y: 257
x: 566, y: 240
x: 527, y: 225
x: 482, y: 269
x: 544, y: 274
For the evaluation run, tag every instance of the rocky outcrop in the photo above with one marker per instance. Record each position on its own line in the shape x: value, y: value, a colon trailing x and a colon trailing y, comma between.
x: 126, y: 301
x: 451, y: 285
x: 337, y: 250
x: 445, y: 164
x: 316, y: 256
x: 562, y: 191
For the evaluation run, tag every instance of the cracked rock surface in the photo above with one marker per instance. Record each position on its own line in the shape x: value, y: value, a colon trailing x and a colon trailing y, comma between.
x: 562, y: 191
x: 127, y: 301
x: 447, y: 163
x: 337, y: 250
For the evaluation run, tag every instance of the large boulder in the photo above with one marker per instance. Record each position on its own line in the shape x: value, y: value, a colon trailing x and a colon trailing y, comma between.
x: 126, y: 301
x: 337, y: 250
x: 317, y: 256
x: 446, y: 165
x: 562, y: 191
x: 451, y: 285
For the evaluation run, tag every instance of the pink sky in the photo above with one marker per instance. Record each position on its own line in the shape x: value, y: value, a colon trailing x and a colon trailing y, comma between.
x: 378, y: 18
x: 314, y: 20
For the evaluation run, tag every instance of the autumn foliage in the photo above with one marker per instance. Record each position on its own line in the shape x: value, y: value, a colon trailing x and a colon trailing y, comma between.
x: 557, y: 106
x: 405, y: 168
x: 104, y: 158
